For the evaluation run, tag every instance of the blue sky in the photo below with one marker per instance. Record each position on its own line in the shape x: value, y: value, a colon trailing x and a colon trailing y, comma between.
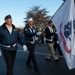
x: 17, y: 8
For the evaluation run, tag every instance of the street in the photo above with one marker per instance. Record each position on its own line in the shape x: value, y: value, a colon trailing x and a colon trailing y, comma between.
x: 46, y: 67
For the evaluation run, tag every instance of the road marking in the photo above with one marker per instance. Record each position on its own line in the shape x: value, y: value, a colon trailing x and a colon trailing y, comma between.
x: 0, y: 53
x: 39, y: 53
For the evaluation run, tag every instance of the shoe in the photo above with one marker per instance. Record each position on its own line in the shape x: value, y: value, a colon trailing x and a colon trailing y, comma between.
x: 57, y: 60
x: 28, y: 64
x: 61, y: 54
x: 9, y: 73
x: 47, y: 59
x: 36, y: 69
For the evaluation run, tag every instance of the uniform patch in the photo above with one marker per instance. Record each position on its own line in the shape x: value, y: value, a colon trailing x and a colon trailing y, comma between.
x: 16, y: 29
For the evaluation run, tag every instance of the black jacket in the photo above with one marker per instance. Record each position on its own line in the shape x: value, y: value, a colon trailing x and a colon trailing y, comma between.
x: 28, y: 34
x: 9, y: 39
x: 55, y: 39
x: 48, y: 35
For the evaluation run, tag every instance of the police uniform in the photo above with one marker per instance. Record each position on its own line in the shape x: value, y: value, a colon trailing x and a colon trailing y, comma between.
x: 8, y: 41
x: 30, y: 36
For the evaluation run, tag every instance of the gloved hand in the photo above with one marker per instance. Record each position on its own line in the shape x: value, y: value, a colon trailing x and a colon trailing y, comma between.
x: 39, y: 33
x: 57, y: 42
x: 24, y: 47
x: 56, y: 32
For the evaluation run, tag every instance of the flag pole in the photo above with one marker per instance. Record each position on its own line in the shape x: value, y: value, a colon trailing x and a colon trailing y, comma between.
x: 53, y: 16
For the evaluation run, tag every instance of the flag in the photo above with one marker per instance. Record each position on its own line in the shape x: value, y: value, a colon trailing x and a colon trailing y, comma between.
x: 64, y: 20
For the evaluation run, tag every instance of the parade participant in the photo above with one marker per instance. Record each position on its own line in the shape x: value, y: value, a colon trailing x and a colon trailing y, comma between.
x: 56, y: 41
x: 30, y: 36
x: 49, y: 40
x: 9, y: 35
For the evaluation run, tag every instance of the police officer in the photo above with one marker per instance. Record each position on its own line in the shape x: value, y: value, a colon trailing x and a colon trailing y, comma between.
x: 56, y: 41
x: 9, y: 35
x: 30, y: 36
x: 49, y: 40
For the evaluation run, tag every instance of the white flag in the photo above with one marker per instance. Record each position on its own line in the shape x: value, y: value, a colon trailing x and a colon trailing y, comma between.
x: 64, y: 22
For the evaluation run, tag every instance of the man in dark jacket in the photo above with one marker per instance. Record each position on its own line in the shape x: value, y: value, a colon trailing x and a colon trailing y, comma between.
x: 49, y: 40
x: 56, y: 41
x: 30, y: 37
x: 9, y: 35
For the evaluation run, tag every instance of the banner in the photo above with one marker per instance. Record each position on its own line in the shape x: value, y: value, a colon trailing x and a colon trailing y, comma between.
x: 64, y: 20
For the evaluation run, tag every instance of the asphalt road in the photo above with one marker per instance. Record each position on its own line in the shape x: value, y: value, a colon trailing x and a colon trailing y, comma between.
x: 46, y: 67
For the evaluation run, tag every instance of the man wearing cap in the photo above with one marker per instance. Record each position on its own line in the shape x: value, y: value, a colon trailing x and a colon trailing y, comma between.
x: 49, y: 40
x: 9, y: 35
x: 30, y: 36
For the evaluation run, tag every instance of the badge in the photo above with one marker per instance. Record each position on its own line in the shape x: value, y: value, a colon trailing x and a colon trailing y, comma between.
x: 16, y: 29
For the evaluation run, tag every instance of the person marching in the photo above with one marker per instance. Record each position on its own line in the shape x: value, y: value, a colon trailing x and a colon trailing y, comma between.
x: 30, y: 33
x: 9, y: 35
x: 49, y: 40
x: 56, y: 41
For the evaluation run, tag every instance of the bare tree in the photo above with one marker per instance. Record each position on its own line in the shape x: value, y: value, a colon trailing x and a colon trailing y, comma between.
x: 40, y: 17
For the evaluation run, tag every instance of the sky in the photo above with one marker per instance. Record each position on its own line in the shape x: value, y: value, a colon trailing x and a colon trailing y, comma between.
x: 18, y: 8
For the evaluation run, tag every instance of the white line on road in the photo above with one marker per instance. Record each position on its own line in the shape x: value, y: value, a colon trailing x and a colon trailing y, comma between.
x: 39, y: 53
x: 36, y: 53
x: 0, y: 53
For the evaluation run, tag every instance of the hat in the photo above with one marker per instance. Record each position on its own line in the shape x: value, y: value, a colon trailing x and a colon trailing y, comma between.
x: 7, y: 17
x: 49, y: 22
x: 30, y: 19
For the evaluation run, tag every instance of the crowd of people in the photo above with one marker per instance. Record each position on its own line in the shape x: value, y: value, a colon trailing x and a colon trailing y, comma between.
x: 10, y: 36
